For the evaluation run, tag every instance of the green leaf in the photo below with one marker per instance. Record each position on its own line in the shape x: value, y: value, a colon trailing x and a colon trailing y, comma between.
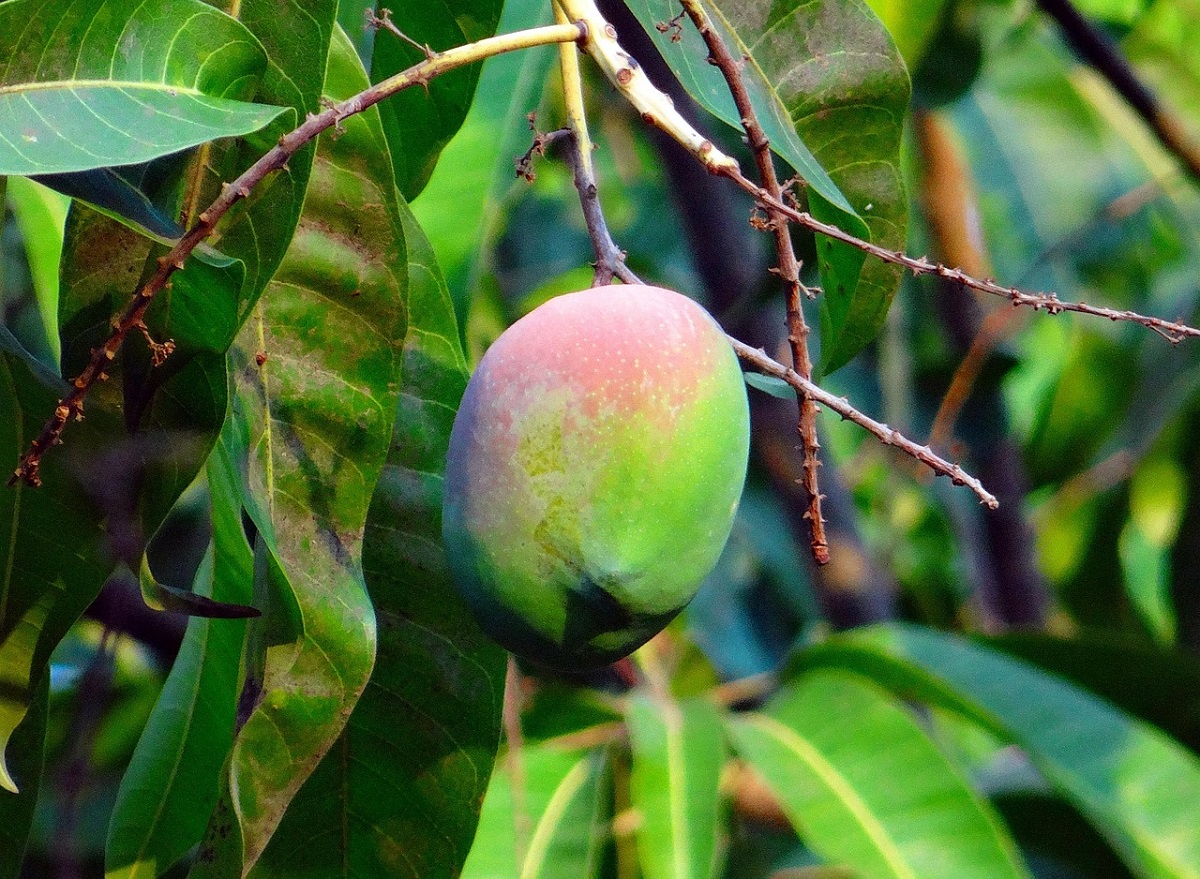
x: 41, y: 214
x: 415, y: 757
x: 1140, y: 788
x: 172, y: 782
x: 296, y: 37
x: 865, y: 787
x: 315, y: 376
x: 561, y: 806
x: 678, y: 753
x: 769, y: 384
x: 830, y: 91
x: 420, y: 122
x: 116, y: 83
x: 171, y: 599
x: 1158, y: 685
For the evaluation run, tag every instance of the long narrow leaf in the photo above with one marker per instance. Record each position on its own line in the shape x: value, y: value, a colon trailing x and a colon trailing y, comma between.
x: 1140, y: 788
x: 678, y: 753
x: 414, y: 760
x: 558, y: 804
x: 830, y: 90
x: 420, y: 122
x: 172, y: 782
x: 17, y: 810
x: 866, y: 787
x: 316, y: 373
x: 51, y: 560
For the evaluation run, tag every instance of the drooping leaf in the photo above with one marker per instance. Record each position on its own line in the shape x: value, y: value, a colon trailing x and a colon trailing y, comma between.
x: 545, y: 816
x: 830, y: 90
x: 1139, y: 787
x: 865, y: 786
x: 296, y: 37
x: 415, y: 758
x: 173, y: 779
x: 139, y: 74
x: 315, y: 374
x: 420, y: 122
x: 678, y: 753
x: 41, y: 214
x: 172, y: 599
x: 206, y: 302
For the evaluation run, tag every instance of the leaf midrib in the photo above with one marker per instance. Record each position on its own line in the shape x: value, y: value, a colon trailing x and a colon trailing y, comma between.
x: 845, y: 792
x: 73, y: 84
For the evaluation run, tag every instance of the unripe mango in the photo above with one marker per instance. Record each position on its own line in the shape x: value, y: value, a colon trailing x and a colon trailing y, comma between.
x: 594, y: 470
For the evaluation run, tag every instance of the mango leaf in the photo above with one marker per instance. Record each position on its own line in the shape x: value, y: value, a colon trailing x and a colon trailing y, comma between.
x: 1159, y: 685
x: 414, y: 760
x: 296, y: 37
x: 561, y: 806
x: 315, y: 373
x: 40, y: 215
x: 17, y: 810
x: 55, y: 585
x: 171, y: 599
x: 52, y: 560
x: 91, y: 85
x: 678, y: 753
x: 420, y: 122
x: 1140, y: 788
x: 172, y: 782
x: 865, y: 787
x: 830, y: 90
x: 202, y: 310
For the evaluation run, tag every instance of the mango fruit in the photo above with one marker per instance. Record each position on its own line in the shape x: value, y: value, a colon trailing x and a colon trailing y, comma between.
x: 594, y: 469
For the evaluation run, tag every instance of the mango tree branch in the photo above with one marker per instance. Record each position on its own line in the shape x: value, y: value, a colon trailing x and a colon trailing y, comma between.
x: 886, y: 435
x: 627, y: 75
x: 437, y: 63
x: 789, y: 268
x: 1172, y: 331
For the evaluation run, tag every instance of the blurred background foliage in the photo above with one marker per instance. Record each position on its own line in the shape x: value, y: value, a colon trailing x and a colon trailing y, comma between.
x: 1021, y: 163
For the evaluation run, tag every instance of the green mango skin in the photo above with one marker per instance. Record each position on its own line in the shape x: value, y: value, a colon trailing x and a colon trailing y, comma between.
x: 595, y: 466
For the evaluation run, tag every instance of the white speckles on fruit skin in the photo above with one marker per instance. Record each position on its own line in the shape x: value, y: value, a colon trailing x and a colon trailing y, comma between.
x: 602, y: 440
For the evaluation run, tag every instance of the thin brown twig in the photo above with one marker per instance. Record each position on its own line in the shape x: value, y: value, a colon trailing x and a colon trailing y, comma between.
x: 886, y: 435
x: 1172, y: 331
x: 610, y: 259
x: 71, y: 406
x: 384, y: 21
x: 788, y: 269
